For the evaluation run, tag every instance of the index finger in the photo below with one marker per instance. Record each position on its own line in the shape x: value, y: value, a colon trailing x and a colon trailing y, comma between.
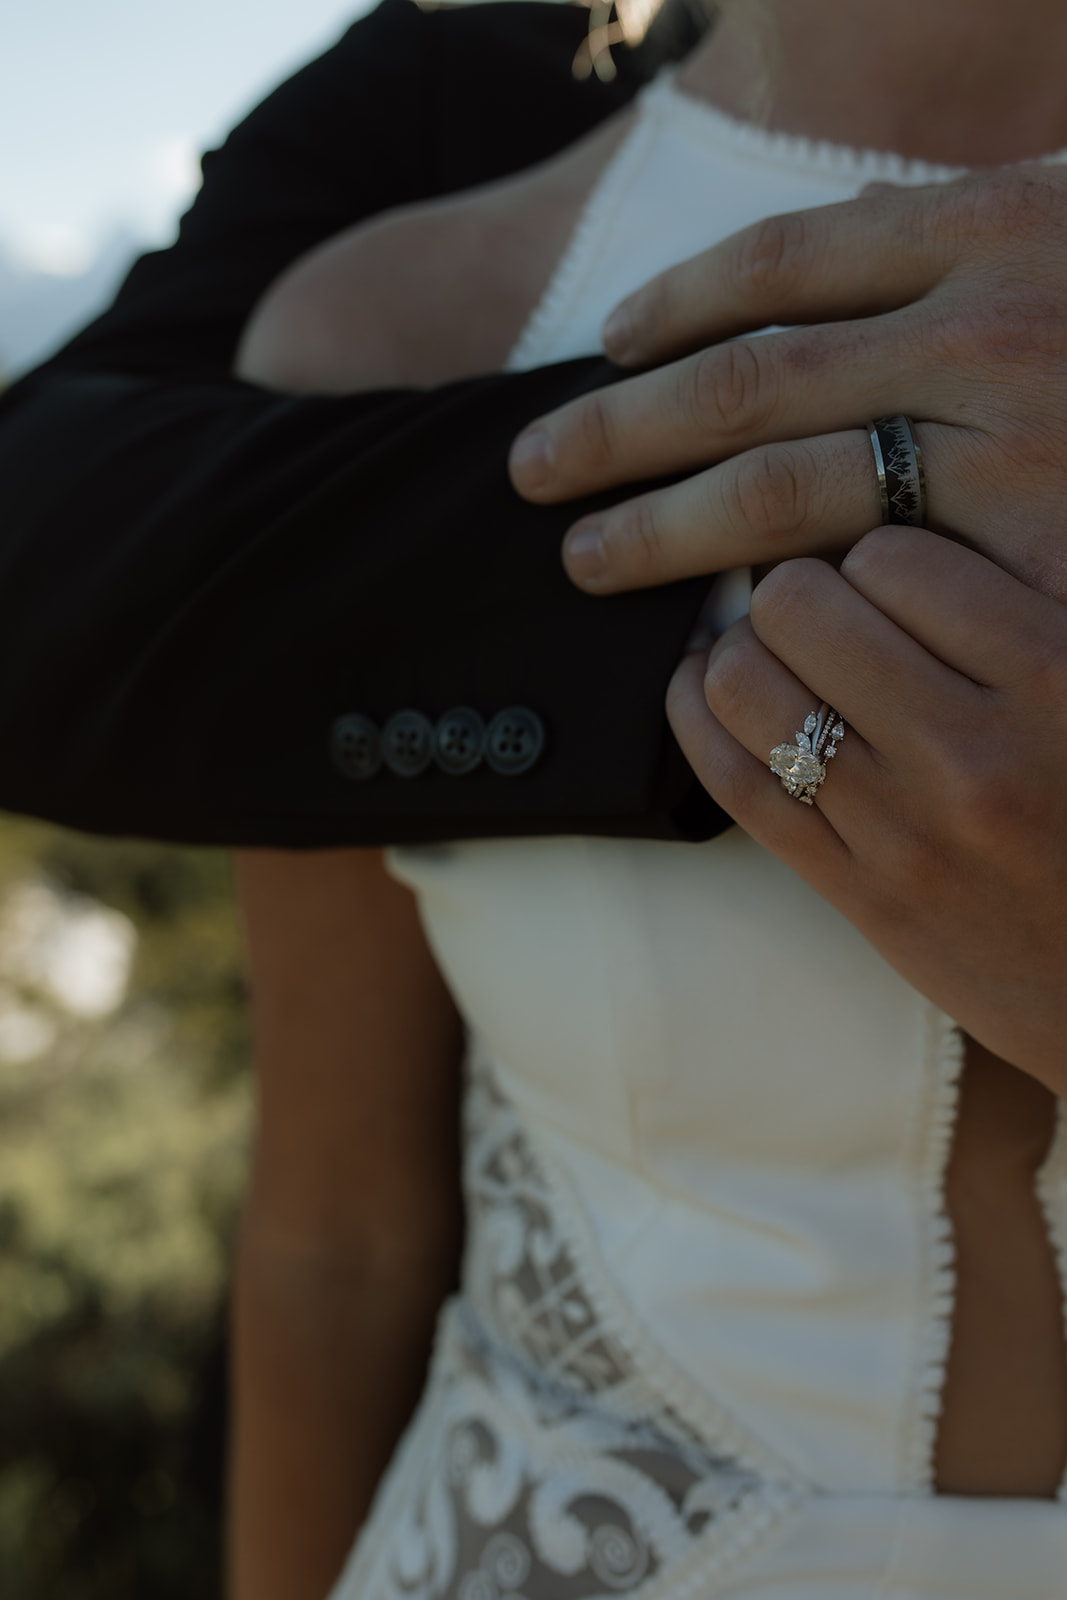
x: 853, y: 259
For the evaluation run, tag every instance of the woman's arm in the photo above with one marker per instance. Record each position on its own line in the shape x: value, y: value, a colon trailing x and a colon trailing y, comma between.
x: 352, y: 1221
x: 351, y: 1227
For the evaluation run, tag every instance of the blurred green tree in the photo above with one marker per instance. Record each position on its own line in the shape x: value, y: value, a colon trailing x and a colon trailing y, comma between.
x: 124, y: 1116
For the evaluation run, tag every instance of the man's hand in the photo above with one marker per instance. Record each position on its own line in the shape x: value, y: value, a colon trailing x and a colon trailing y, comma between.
x: 947, y: 303
x: 940, y: 831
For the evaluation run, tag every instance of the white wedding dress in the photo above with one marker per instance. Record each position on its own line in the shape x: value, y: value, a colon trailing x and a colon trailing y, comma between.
x: 705, y: 1313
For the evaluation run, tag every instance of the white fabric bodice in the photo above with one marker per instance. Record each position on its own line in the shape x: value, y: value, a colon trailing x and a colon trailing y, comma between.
x: 708, y: 1281
x: 686, y: 176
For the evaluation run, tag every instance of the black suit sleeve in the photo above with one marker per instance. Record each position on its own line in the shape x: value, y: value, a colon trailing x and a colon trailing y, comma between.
x: 198, y: 578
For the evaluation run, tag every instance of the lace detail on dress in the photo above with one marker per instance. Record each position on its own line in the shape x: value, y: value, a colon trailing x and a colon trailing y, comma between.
x: 937, y: 1122
x: 534, y: 1278
x: 522, y: 1278
x: 543, y: 1464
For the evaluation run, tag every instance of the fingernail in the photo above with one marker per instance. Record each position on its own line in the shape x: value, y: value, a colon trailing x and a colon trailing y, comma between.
x: 617, y: 334
x: 584, y: 552
x: 531, y: 460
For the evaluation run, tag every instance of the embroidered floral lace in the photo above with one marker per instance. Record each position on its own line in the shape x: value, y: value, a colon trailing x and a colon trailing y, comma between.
x: 545, y: 1462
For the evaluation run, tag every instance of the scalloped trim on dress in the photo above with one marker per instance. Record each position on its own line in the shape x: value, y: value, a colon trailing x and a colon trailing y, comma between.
x: 678, y: 1393
x: 799, y: 154
x: 937, y: 1115
x: 410, y: 1547
x: 795, y: 152
x: 1051, y: 1186
x: 607, y: 193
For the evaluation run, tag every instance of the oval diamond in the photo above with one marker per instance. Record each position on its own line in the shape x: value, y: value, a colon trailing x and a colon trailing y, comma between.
x: 782, y: 758
x: 807, y: 770
x: 796, y: 766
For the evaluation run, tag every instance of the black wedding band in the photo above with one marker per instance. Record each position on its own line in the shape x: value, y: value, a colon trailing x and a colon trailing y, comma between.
x: 899, y: 464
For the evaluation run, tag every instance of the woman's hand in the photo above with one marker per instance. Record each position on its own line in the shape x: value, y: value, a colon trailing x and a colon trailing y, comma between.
x: 957, y: 300
x: 941, y: 828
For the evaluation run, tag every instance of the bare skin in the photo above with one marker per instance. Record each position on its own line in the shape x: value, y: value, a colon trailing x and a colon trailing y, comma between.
x: 419, y: 270
x: 965, y: 82
x: 352, y: 1222
x: 356, y: 314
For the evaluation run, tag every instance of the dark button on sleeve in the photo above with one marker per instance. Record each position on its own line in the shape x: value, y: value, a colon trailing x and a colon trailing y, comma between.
x: 408, y: 743
x: 356, y: 747
x: 514, y: 741
x: 459, y: 740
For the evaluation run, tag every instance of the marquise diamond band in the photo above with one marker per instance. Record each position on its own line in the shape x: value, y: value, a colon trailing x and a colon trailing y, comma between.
x: 802, y: 766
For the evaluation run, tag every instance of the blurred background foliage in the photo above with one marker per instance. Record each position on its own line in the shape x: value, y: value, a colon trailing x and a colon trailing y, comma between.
x: 124, y: 1116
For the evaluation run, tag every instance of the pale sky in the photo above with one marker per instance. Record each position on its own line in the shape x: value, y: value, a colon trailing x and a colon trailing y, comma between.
x: 104, y: 104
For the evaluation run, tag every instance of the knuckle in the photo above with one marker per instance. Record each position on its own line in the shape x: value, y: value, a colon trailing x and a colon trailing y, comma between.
x: 1015, y: 322
x: 786, y: 595
x: 729, y: 684
x: 635, y: 539
x: 655, y: 308
x: 729, y: 386
x: 946, y: 333
x: 980, y: 209
x: 772, y: 256
x: 878, y: 551
x: 594, y: 438
x: 1010, y: 201
x: 989, y: 219
x: 773, y: 490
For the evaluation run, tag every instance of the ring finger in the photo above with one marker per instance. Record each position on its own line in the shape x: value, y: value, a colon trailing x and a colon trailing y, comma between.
x: 760, y: 704
x: 768, y: 504
x: 747, y: 790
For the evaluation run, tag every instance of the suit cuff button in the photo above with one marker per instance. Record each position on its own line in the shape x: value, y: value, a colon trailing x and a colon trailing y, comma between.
x: 459, y: 741
x: 356, y: 747
x: 514, y: 741
x: 407, y: 743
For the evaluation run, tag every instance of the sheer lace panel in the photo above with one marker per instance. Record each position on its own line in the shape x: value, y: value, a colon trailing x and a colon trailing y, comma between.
x: 543, y: 1463
x: 535, y: 1280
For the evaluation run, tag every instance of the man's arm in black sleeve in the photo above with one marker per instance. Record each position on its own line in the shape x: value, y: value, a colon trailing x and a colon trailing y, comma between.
x: 199, y: 581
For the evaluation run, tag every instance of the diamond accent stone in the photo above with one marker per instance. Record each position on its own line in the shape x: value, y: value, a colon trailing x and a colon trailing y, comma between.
x: 802, y: 766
